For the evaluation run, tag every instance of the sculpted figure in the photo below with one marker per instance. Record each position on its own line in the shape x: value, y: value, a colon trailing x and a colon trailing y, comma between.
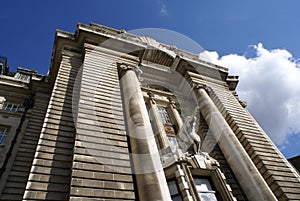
x: 187, y: 134
x: 193, y: 135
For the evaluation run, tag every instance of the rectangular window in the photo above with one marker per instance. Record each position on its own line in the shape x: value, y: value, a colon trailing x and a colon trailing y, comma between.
x: 3, y: 135
x: 173, y: 143
x: 169, y: 127
x: 164, y: 115
x: 205, y: 189
x: 175, y: 195
x: 21, y: 76
x: 10, y: 107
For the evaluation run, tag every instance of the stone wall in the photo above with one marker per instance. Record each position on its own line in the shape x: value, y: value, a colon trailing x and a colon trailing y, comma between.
x: 277, y: 172
x: 101, y: 162
x: 51, y: 169
x: 17, y: 176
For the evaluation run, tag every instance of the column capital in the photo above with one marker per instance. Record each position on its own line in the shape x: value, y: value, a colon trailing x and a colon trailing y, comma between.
x: 151, y: 97
x: 197, y: 86
x: 172, y: 102
x: 123, y: 67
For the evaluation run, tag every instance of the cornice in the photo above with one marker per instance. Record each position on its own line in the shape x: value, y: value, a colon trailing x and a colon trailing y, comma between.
x: 146, y: 49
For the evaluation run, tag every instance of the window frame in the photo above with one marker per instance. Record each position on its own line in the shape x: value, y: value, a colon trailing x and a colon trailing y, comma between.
x: 217, y: 180
x: 22, y: 76
x: 164, y: 114
x: 10, y: 107
x: 212, y: 189
x: 173, y: 179
x: 163, y: 106
x: 3, y: 135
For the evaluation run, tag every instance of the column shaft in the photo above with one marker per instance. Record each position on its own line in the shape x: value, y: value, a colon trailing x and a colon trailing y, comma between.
x: 244, y: 169
x: 175, y: 114
x: 150, y: 178
x: 158, y: 127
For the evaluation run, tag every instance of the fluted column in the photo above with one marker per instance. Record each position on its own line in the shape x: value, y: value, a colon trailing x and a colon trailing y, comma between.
x: 244, y: 169
x: 150, y: 178
x: 158, y: 127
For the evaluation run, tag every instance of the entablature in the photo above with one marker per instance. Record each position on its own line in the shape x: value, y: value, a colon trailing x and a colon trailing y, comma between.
x: 147, y: 50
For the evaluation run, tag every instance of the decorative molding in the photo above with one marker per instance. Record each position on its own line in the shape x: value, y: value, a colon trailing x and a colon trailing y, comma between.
x: 196, y: 86
x: 172, y: 103
x: 153, y: 44
x: 100, y: 48
x: 123, y: 67
x: 151, y: 97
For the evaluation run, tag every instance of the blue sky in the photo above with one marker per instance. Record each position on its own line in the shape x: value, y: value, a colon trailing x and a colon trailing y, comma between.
x: 223, y: 28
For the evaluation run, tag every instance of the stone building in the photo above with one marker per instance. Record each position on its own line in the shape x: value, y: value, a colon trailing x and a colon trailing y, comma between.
x: 295, y: 161
x: 123, y: 117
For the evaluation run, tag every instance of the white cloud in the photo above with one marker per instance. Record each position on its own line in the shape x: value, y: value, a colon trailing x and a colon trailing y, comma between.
x: 270, y: 84
x: 163, y: 9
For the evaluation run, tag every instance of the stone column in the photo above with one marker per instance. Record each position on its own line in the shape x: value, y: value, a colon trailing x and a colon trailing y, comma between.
x: 244, y: 169
x: 150, y: 177
x: 158, y: 127
x: 175, y: 114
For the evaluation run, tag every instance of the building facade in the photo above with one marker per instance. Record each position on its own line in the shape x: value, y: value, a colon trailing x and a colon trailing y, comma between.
x: 295, y: 161
x: 123, y: 117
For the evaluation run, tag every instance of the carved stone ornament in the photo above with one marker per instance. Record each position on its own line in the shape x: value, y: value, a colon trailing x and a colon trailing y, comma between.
x: 172, y: 103
x: 123, y: 67
x: 203, y: 161
x: 191, y: 121
x: 201, y: 86
x: 187, y: 136
x: 151, y: 97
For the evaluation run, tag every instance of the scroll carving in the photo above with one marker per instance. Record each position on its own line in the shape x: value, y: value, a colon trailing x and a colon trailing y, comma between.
x: 123, y: 67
